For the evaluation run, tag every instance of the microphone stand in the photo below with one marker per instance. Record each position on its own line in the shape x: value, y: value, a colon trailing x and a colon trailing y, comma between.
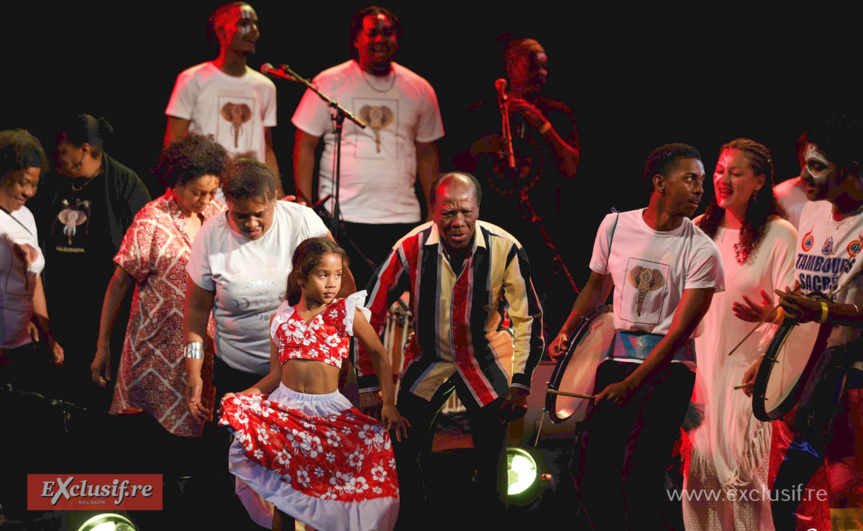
x: 285, y: 72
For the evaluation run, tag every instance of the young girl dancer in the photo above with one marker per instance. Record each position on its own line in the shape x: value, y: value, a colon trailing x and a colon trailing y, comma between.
x: 298, y: 442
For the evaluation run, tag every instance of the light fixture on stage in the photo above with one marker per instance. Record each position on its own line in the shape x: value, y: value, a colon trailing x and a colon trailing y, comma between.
x: 525, y: 478
x: 108, y: 522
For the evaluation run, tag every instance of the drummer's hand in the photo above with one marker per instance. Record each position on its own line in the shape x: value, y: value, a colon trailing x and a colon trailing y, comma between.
x: 753, y: 312
x: 617, y: 393
x: 558, y: 347
x: 514, y: 405
x: 749, y: 377
x: 801, y: 309
x: 371, y: 404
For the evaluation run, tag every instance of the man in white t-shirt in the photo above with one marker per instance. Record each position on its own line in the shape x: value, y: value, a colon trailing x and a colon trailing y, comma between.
x: 664, y: 271
x: 224, y: 97
x: 381, y: 163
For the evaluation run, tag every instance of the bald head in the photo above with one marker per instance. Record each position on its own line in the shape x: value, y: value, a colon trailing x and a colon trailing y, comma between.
x: 455, y: 203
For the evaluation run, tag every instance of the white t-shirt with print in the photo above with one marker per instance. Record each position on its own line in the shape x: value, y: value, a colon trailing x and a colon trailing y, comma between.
x: 249, y: 278
x: 650, y: 269
x: 825, y: 249
x: 378, y: 163
x: 235, y: 110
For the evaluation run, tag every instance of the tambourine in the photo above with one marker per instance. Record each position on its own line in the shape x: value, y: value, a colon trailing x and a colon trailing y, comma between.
x: 786, y: 367
x: 575, y: 372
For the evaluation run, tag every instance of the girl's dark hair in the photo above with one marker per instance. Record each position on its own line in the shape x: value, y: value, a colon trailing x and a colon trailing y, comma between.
x: 83, y: 128
x: 762, y: 203
x: 307, y: 256
x: 194, y: 156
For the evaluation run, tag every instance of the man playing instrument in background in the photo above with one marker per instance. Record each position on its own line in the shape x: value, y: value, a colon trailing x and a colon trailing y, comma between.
x: 830, y: 239
x: 547, y: 153
x: 664, y: 271
x: 381, y: 163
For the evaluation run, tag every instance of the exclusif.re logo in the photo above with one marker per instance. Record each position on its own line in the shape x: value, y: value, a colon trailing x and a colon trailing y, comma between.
x: 76, y: 492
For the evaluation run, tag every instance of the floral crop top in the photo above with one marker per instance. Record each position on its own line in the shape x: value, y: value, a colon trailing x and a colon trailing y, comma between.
x: 326, y: 338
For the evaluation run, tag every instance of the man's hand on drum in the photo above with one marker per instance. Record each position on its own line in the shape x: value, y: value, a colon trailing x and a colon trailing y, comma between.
x: 753, y: 312
x: 558, y: 347
x: 617, y: 393
x: 801, y: 309
x: 514, y: 404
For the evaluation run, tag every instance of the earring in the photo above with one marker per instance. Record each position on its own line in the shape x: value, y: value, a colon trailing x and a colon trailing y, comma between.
x: 754, y: 196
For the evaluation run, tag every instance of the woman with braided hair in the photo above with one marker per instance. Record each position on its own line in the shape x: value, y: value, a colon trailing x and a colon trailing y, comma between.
x: 730, y: 450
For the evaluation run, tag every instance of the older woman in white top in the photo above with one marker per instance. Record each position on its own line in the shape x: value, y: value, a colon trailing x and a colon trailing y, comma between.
x: 237, y: 270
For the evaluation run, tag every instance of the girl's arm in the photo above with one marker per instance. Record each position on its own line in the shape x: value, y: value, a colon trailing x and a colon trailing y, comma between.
x: 381, y: 361
x: 100, y: 368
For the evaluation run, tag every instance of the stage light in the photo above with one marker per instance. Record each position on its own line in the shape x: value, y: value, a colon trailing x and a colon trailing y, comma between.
x: 108, y: 522
x: 521, y: 472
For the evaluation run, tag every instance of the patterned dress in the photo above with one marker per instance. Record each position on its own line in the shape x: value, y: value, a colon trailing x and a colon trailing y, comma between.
x: 152, y: 375
x: 315, y: 457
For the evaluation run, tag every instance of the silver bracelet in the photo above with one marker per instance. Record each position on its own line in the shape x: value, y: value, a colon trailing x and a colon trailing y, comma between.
x: 194, y: 350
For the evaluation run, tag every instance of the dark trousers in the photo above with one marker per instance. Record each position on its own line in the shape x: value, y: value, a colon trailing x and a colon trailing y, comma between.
x: 489, y: 439
x: 625, y: 450
x: 819, y: 404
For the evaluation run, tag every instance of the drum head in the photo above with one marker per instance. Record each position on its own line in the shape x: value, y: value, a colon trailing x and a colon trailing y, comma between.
x: 576, y: 370
x: 778, y: 383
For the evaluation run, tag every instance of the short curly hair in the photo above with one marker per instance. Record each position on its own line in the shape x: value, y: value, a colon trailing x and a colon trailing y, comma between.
x: 664, y: 159
x: 248, y: 178
x: 194, y: 156
x: 19, y: 149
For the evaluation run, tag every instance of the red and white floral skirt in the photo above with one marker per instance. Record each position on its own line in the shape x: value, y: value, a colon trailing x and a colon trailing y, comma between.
x: 315, y: 457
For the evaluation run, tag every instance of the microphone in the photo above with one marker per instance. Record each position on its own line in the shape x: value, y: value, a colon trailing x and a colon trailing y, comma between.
x: 500, y: 86
x: 269, y: 70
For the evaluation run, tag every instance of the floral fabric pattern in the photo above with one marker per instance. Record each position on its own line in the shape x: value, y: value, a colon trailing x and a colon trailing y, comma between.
x: 344, y: 457
x: 326, y: 338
